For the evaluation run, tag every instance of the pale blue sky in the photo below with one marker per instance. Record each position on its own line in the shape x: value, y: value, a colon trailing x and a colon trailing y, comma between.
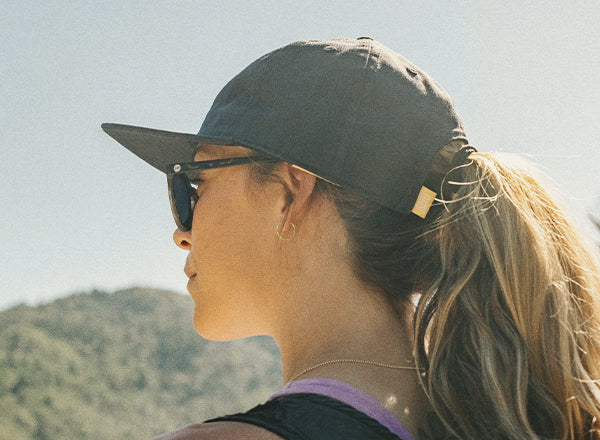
x: 79, y: 211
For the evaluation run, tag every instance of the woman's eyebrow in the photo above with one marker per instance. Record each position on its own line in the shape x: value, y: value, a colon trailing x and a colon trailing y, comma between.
x: 200, y: 149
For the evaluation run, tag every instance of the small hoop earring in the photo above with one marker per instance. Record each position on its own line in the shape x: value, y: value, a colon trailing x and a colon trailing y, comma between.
x: 285, y: 238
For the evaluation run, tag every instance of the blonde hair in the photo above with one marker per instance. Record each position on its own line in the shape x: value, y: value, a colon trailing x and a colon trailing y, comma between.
x: 507, y: 327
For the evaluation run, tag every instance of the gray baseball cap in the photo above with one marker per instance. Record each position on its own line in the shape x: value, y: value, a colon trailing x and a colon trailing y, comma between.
x: 351, y: 111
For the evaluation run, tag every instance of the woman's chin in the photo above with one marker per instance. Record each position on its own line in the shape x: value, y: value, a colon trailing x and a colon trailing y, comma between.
x: 217, y: 330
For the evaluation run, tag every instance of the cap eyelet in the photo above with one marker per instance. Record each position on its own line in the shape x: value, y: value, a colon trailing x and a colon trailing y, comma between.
x: 412, y: 72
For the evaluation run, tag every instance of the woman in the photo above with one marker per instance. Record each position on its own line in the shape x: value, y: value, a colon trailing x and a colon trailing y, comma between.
x: 416, y: 287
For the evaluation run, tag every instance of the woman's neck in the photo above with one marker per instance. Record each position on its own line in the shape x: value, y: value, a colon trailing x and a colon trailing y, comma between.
x: 361, y: 327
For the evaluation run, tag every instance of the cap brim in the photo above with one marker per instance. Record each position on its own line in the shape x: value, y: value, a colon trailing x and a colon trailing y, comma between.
x: 159, y: 147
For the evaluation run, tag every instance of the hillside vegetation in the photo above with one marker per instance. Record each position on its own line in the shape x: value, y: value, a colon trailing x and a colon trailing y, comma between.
x: 127, y: 365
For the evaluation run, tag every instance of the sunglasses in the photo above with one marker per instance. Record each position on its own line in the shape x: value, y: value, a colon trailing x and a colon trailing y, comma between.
x: 183, y: 193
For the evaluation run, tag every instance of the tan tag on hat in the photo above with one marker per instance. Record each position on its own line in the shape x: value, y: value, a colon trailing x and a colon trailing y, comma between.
x: 424, y: 202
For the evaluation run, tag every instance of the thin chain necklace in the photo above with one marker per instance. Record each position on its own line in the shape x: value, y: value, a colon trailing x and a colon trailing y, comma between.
x: 352, y: 361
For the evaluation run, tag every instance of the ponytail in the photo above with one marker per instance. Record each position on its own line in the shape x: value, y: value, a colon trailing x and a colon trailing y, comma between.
x: 507, y: 327
x: 507, y: 330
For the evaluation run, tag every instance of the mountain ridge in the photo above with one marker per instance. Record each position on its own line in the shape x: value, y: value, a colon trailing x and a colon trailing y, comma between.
x: 122, y: 365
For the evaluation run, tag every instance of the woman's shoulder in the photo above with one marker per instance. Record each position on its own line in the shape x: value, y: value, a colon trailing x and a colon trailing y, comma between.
x: 220, y: 430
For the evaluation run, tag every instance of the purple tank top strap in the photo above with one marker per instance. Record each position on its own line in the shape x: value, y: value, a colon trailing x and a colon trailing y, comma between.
x: 350, y: 395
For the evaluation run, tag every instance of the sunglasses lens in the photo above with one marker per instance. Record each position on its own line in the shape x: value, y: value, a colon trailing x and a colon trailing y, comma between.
x: 182, y: 200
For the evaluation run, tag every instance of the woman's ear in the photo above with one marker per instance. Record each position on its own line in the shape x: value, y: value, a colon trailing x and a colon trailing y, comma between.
x: 300, y: 186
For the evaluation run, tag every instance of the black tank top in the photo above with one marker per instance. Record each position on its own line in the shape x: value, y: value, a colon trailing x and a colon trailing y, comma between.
x: 312, y: 417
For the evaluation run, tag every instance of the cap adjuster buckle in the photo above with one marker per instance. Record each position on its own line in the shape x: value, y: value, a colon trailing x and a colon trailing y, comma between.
x: 424, y: 202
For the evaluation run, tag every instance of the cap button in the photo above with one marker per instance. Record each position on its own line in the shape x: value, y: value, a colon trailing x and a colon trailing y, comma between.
x: 364, y: 38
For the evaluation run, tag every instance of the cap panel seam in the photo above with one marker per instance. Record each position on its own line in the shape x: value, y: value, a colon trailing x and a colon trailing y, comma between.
x: 349, y: 132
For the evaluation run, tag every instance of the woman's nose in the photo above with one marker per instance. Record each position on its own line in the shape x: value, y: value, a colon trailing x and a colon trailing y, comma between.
x: 183, y: 239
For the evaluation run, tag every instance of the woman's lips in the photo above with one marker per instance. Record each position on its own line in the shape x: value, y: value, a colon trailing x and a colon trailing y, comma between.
x: 189, y: 273
x: 190, y: 281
